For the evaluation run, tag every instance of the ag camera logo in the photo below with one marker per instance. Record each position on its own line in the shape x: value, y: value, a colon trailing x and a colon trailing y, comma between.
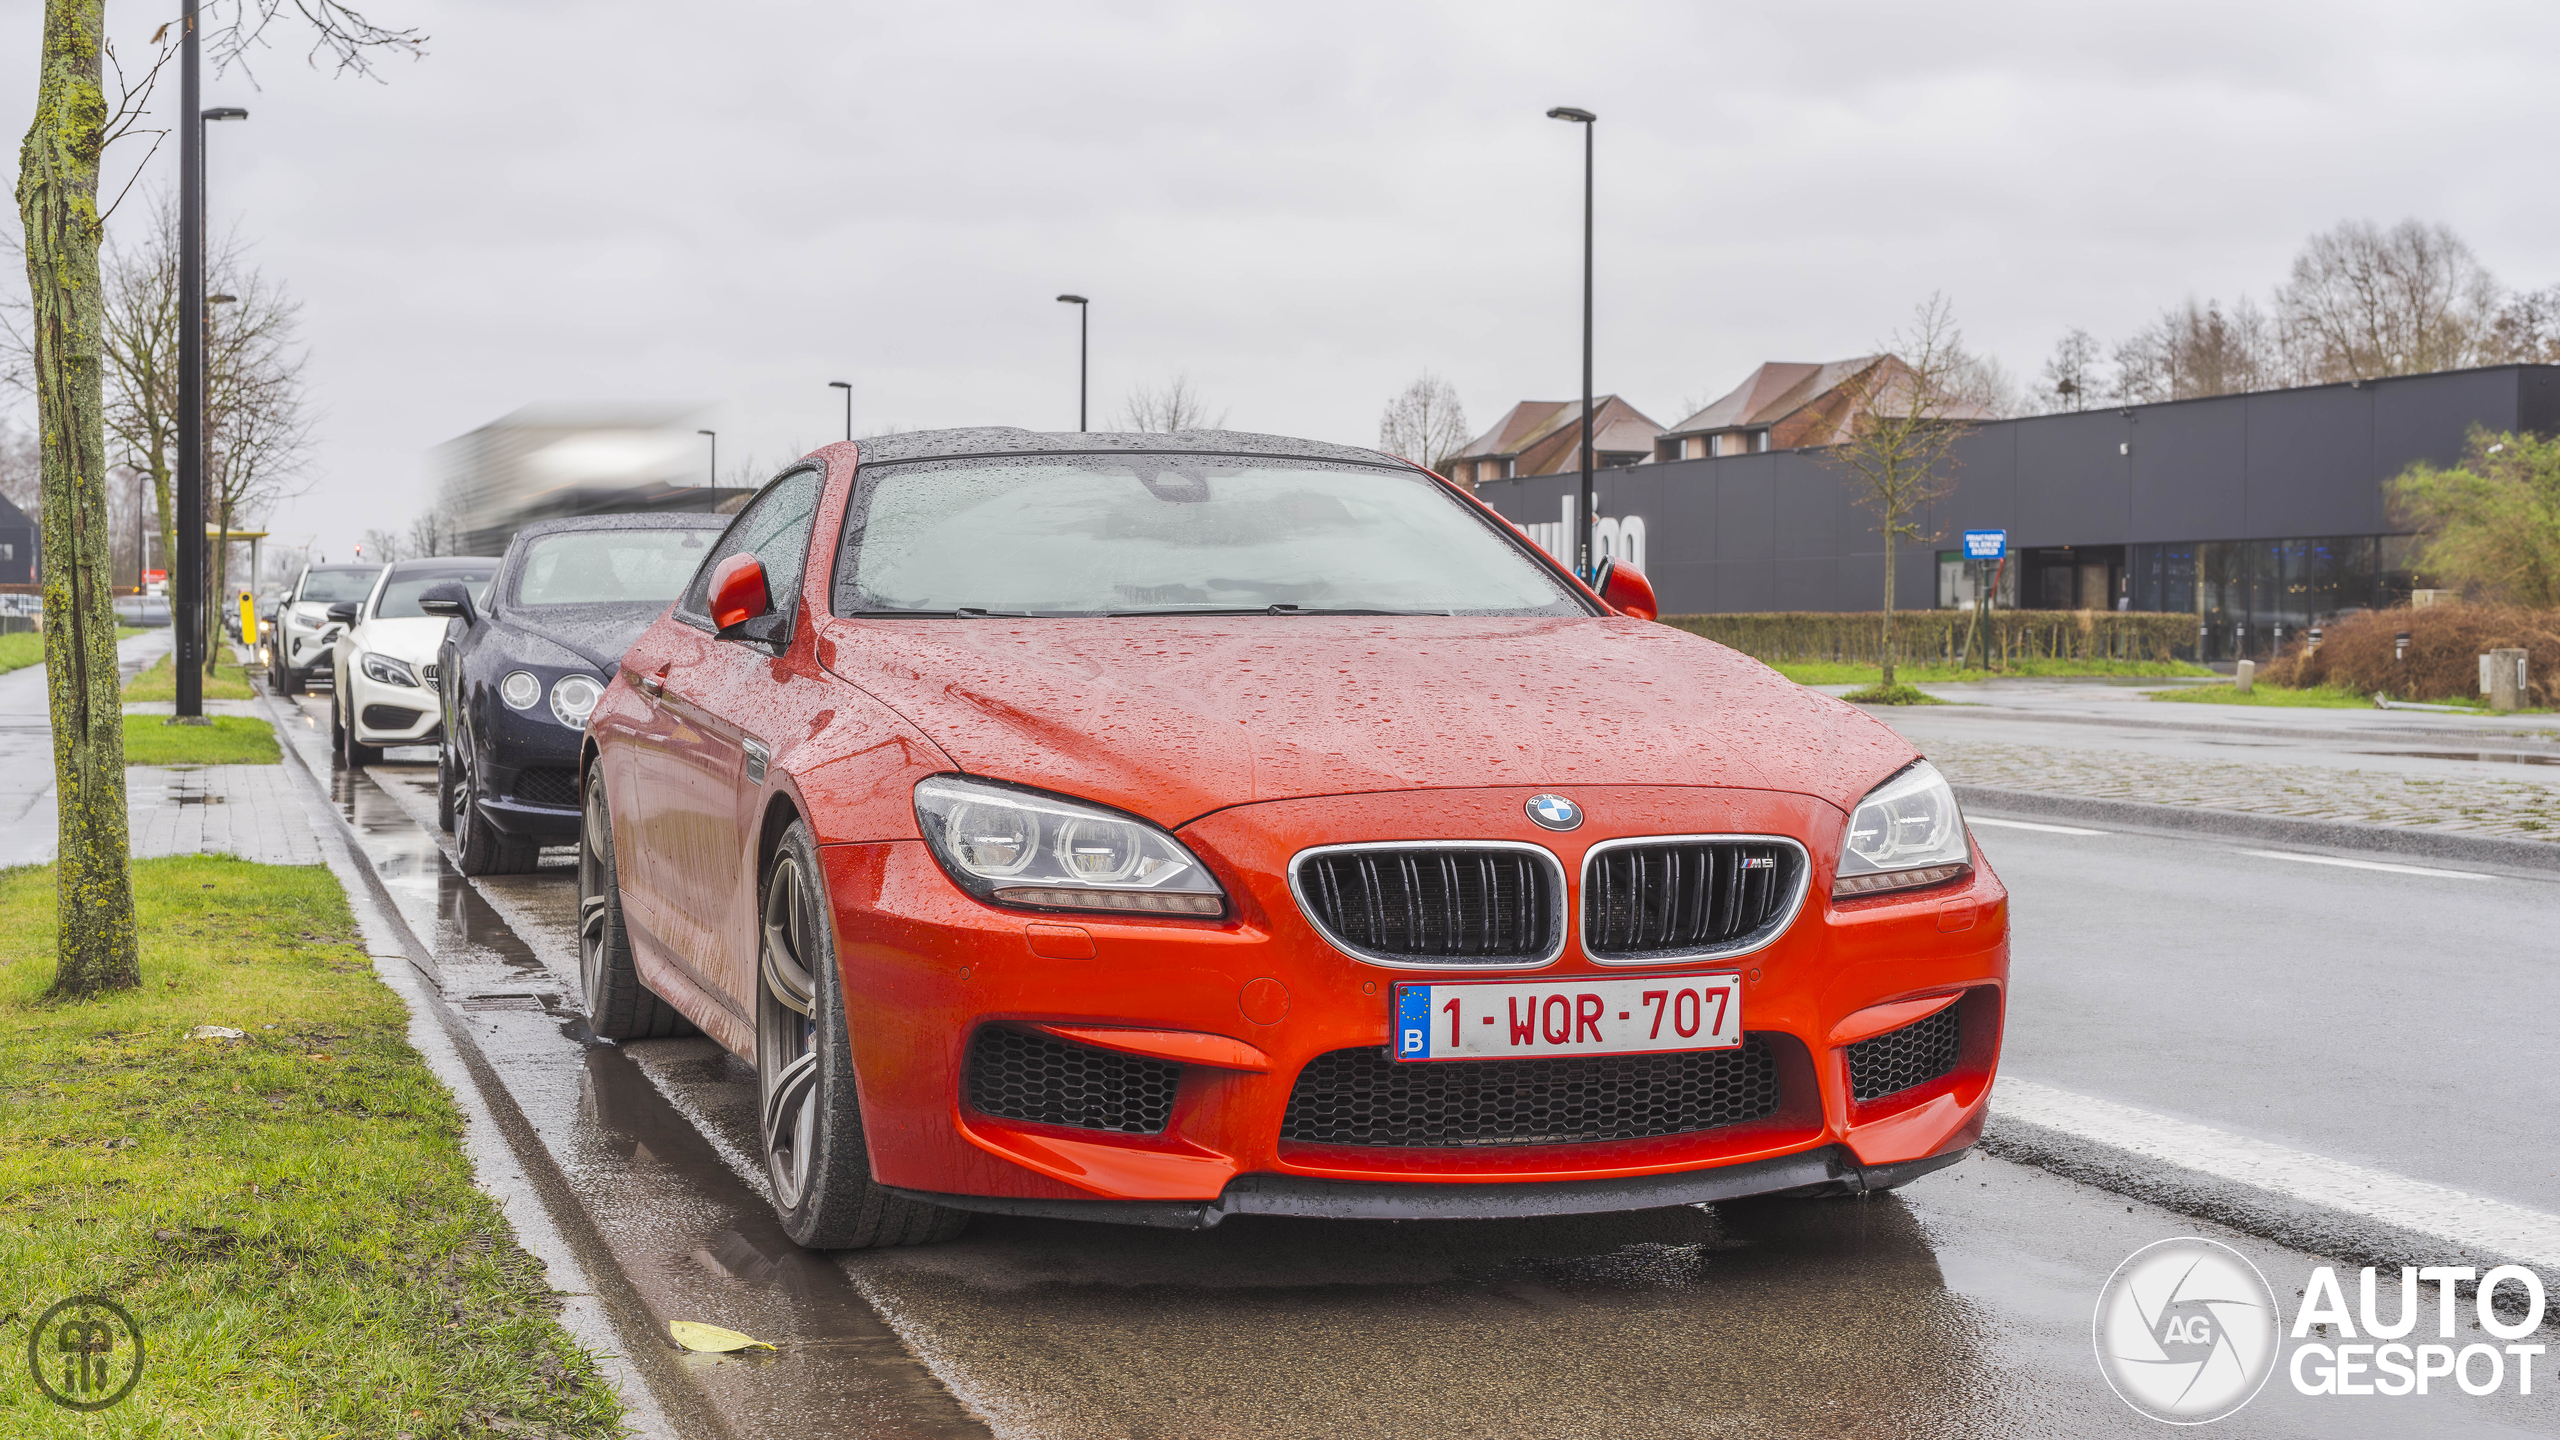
x: 2187, y: 1331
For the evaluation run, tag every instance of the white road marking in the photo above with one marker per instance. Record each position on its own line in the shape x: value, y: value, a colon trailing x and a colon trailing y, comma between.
x: 2461, y: 1219
x: 2031, y: 825
x: 2364, y: 864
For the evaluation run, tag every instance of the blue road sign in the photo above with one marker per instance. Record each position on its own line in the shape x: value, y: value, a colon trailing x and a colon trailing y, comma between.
x: 1986, y: 544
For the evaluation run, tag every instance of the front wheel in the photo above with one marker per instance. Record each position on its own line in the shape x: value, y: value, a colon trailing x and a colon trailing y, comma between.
x: 810, y: 1114
x: 619, y: 1007
x: 444, y: 788
x: 485, y: 849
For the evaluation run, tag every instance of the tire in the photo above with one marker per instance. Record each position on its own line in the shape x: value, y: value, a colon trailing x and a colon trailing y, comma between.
x: 808, y: 1112
x: 342, y: 727
x: 282, y: 681
x: 486, y: 849
x: 444, y: 788
x: 619, y: 1007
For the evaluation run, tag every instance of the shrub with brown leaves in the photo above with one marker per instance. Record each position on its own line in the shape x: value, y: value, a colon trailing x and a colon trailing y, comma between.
x: 2445, y: 646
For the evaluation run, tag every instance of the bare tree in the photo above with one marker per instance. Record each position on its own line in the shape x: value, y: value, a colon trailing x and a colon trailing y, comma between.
x: 1176, y: 406
x: 21, y: 469
x: 2367, y: 302
x: 436, y: 530
x: 2197, y: 350
x: 1906, y: 417
x: 382, y: 547
x: 1425, y: 424
x: 2527, y: 330
x: 257, y: 426
x: 2072, y: 376
x: 61, y: 225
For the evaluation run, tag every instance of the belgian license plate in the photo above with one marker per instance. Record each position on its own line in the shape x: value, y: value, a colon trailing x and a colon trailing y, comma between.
x: 1511, y: 1020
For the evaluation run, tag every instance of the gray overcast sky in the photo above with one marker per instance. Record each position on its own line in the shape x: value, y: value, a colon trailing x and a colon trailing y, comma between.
x: 1300, y: 206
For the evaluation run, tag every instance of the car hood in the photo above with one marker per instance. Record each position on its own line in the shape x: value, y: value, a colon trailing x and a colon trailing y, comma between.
x: 411, y: 638
x: 595, y: 634
x: 1172, y: 719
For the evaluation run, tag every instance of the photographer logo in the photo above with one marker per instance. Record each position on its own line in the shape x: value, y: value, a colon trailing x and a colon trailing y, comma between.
x: 2187, y: 1331
x: 86, y: 1353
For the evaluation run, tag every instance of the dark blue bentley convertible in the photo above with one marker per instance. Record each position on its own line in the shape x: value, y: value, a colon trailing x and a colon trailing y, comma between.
x: 518, y: 677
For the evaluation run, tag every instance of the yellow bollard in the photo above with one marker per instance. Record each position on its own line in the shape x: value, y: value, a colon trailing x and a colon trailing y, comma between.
x: 248, y: 620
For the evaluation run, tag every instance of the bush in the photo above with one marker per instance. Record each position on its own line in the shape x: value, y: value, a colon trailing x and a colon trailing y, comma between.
x: 1941, y: 636
x: 2445, y: 646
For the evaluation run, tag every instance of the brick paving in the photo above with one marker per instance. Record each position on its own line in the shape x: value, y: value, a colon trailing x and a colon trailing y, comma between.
x: 2521, y: 809
x: 251, y: 811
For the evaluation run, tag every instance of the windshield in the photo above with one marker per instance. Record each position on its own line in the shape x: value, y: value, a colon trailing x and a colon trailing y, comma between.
x: 331, y: 587
x: 610, y: 567
x: 400, y: 593
x: 1168, y: 534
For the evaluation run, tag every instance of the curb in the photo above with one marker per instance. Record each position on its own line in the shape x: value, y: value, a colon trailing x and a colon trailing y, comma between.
x: 2539, y: 855
x: 560, y: 1233
x: 2352, y: 1240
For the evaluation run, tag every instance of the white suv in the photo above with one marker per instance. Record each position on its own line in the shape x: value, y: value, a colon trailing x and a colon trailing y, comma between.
x: 298, y: 648
x: 385, y: 659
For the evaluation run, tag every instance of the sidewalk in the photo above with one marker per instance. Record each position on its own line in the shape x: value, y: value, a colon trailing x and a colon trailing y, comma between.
x: 2464, y: 804
x: 244, y: 810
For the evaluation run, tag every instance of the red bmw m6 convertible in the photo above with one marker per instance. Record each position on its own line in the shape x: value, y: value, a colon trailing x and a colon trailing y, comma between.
x: 1158, y: 828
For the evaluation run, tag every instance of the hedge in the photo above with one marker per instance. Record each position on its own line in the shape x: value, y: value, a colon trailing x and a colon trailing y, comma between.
x: 1924, y: 636
x: 2446, y: 641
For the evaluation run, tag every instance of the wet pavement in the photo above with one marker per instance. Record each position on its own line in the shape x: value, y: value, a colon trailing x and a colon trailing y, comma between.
x: 1958, y: 1306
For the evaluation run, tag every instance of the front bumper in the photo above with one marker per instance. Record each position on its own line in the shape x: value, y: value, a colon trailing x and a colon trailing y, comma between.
x: 391, y: 714
x: 528, y: 772
x: 925, y: 967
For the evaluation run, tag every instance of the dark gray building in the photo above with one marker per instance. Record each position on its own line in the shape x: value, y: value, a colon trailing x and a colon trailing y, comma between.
x: 18, y: 542
x: 2252, y: 512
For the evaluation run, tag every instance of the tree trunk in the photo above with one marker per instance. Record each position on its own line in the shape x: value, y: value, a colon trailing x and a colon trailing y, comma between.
x: 167, y: 507
x: 58, y: 207
x: 221, y: 580
x: 1889, y: 549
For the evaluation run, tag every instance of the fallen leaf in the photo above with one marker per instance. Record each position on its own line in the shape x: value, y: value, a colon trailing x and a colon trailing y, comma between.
x: 216, y: 1032
x: 711, y: 1339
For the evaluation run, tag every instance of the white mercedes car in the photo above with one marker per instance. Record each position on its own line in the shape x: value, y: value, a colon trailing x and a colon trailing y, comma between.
x: 384, y: 659
x: 300, y: 633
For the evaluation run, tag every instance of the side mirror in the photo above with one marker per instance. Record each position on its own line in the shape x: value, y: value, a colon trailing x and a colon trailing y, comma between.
x: 738, y: 593
x: 450, y: 599
x: 1626, y: 590
x: 344, y: 612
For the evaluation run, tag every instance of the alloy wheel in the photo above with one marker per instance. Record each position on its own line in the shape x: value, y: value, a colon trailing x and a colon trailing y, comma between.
x: 595, y: 872
x: 787, y: 1031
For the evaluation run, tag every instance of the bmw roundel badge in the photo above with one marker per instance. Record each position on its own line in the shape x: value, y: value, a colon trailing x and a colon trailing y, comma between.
x: 1554, y: 812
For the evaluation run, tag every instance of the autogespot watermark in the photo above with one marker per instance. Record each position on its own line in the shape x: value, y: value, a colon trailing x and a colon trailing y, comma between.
x: 86, y: 1353
x: 2188, y: 1331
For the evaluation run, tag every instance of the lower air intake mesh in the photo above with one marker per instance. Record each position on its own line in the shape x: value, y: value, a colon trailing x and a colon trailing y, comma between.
x: 1360, y: 1097
x: 547, y: 785
x: 1914, y: 1055
x: 1023, y: 1075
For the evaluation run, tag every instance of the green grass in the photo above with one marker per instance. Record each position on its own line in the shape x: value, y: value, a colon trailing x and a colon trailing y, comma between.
x: 229, y: 740
x: 1831, y: 672
x: 2322, y: 697
x: 160, y: 682
x: 26, y: 648
x: 1896, y: 694
x: 290, y: 1217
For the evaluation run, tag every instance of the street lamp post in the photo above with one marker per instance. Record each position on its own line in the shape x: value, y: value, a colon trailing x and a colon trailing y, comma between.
x: 187, y: 577
x: 1084, y: 316
x: 715, y: 465
x: 847, y: 387
x: 1590, y: 124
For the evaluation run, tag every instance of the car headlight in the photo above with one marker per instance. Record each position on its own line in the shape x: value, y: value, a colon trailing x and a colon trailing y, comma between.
x: 1906, y: 833
x: 387, y: 671
x: 573, y: 698
x: 1017, y: 847
x: 520, y: 690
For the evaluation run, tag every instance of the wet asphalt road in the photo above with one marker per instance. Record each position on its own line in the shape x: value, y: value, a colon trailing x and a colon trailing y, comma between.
x: 1959, y: 1306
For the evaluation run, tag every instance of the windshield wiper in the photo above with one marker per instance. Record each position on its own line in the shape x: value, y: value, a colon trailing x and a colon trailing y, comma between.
x: 1262, y: 610
x: 965, y: 612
